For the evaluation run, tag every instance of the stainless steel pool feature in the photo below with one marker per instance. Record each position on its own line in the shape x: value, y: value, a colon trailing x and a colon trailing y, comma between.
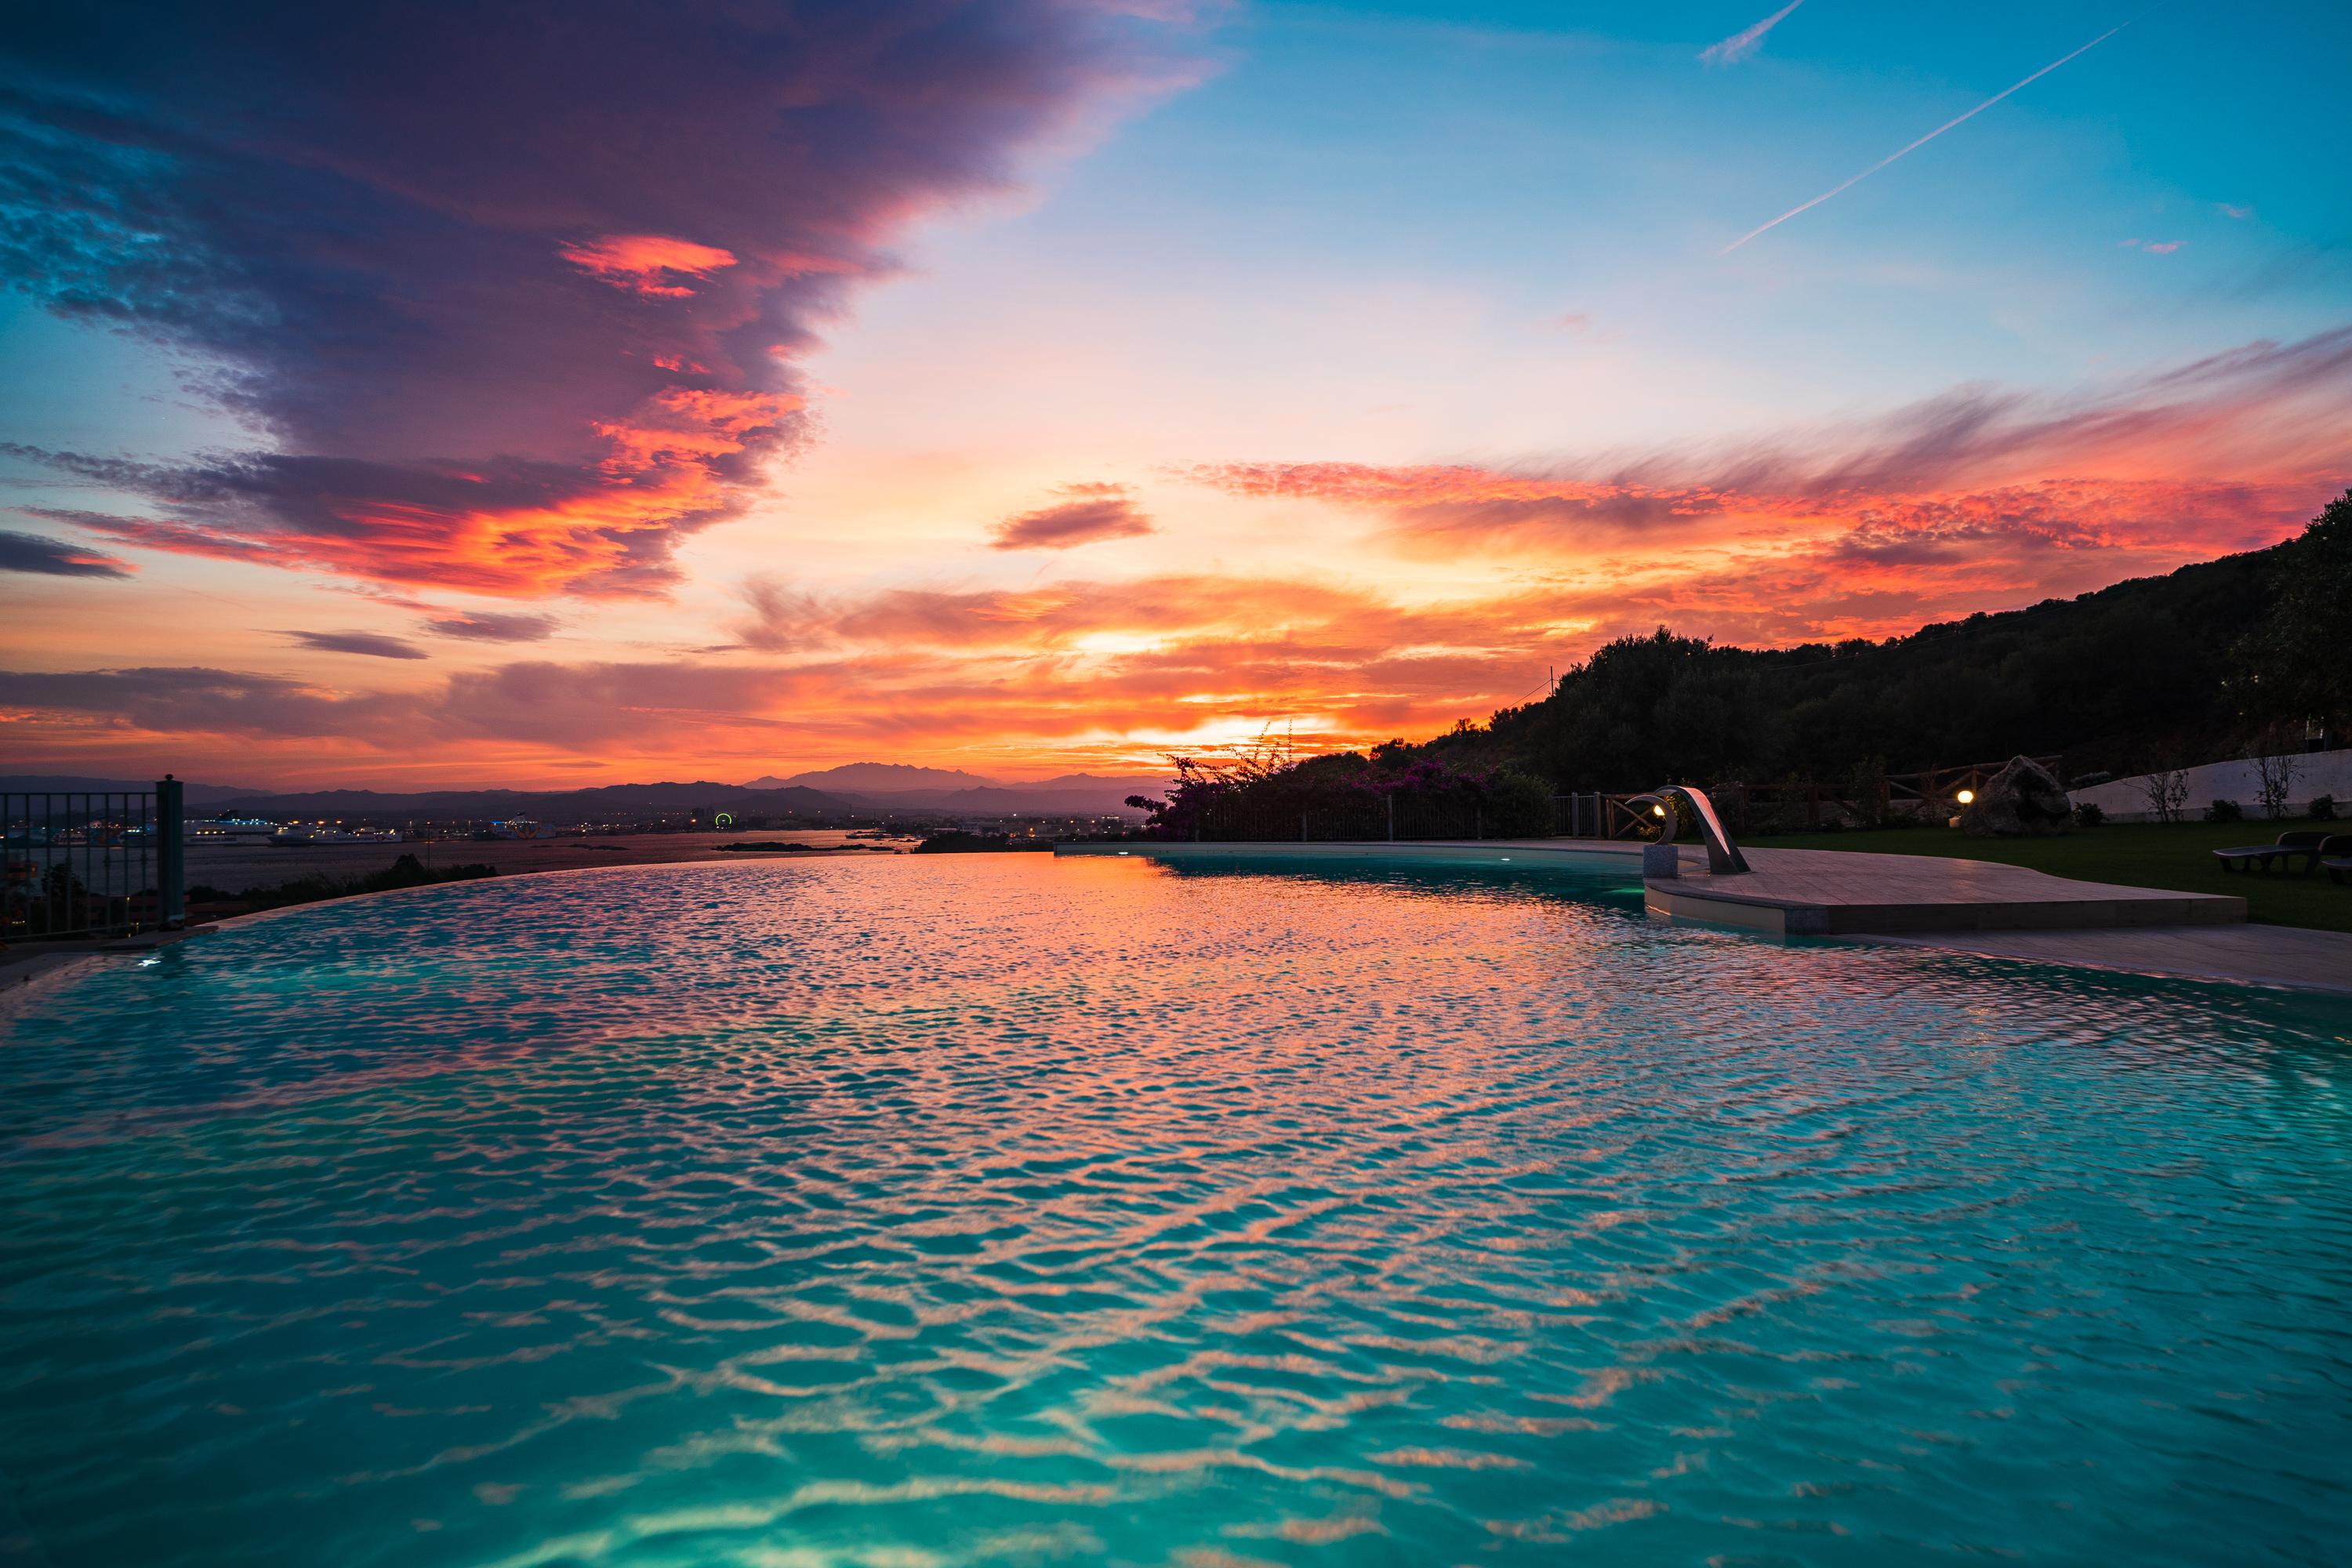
x: 1723, y: 856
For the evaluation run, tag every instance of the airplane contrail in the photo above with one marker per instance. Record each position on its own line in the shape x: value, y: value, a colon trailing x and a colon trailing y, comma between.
x: 1922, y: 141
x: 1741, y: 44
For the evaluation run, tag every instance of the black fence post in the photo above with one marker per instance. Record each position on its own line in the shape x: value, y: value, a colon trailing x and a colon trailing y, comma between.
x: 170, y: 855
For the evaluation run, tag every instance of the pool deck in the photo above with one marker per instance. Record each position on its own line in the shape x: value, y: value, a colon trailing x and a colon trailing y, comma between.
x: 1837, y: 892
x: 1973, y: 906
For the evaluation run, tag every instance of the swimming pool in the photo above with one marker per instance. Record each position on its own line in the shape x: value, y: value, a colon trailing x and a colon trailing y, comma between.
x: 1004, y: 1209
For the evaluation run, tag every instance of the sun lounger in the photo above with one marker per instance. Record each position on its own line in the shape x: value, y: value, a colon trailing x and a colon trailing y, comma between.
x: 2335, y: 855
x: 2303, y: 842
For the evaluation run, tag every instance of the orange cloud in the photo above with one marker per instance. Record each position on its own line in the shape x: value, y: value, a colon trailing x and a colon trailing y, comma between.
x: 1110, y: 671
x: 684, y: 460
x: 647, y: 263
x: 1975, y: 500
x: 1972, y: 500
x: 1105, y: 667
x: 2215, y: 455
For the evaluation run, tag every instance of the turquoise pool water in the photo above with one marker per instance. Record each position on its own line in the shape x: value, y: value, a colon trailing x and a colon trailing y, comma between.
x: 998, y: 1209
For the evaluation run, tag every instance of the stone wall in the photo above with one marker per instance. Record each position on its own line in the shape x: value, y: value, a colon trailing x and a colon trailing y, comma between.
x: 2317, y: 773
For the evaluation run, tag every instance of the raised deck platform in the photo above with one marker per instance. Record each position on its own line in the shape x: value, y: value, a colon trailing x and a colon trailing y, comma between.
x: 1818, y: 892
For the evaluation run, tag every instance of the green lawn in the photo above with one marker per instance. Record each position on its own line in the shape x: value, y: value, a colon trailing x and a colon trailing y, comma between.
x: 2138, y: 855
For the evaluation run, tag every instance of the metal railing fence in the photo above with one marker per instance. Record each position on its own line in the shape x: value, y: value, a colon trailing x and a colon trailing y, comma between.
x: 1793, y: 806
x: 1600, y: 813
x: 80, y: 863
x: 1400, y: 818
x: 1800, y: 805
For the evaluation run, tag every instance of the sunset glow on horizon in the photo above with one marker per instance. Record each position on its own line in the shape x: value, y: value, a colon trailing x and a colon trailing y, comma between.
x: 1041, y: 387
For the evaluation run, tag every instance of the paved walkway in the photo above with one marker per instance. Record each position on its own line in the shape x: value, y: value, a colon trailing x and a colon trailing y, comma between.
x: 29, y: 967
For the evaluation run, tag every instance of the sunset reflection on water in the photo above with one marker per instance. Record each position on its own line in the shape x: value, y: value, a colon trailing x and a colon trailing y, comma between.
x: 942, y: 1209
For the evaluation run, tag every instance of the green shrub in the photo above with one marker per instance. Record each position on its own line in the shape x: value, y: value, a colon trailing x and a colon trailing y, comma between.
x: 2225, y: 811
x: 956, y: 841
x: 2088, y: 814
x: 2322, y: 808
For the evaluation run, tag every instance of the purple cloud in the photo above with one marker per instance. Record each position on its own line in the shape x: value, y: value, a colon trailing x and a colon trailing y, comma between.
x: 369, y: 643
x: 182, y: 700
x: 54, y: 558
x: 477, y: 626
x: 1093, y: 512
x: 574, y: 351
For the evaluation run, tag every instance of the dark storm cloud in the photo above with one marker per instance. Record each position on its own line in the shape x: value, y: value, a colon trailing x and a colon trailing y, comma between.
x: 565, y: 250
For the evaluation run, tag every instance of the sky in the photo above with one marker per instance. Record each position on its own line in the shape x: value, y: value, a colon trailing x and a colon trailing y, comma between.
x: 399, y: 396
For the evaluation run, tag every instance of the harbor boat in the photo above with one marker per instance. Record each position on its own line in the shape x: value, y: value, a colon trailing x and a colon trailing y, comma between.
x: 232, y: 830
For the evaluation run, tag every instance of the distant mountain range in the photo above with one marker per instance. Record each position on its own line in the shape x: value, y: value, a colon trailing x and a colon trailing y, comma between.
x: 596, y: 803
x: 866, y: 778
x: 75, y: 783
x: 888, y: 787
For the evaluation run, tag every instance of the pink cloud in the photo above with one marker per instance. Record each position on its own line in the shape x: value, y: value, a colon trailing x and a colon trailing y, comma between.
x: 1972, y: 499
x: 647, y: 263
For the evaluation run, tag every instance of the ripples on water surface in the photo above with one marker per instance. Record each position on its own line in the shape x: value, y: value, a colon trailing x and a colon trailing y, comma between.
x: 1003, y: 1209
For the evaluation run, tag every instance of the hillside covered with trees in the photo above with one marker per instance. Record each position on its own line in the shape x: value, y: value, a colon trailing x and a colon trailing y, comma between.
x: 2155, y: 672
x: 2158, y: 670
